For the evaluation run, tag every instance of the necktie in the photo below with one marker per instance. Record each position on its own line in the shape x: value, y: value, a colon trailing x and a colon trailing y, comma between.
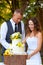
x: 16, y: 28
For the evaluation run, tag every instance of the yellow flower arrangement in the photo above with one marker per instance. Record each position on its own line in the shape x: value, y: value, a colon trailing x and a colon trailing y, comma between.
x: 16, y: 35
x: 8, y: 51
x: 20, y: 44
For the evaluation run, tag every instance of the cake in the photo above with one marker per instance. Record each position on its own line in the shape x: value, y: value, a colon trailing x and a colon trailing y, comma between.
x: 17, y: 45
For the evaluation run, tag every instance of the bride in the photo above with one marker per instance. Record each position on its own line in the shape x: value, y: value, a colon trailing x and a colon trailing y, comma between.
x: 34, y: 41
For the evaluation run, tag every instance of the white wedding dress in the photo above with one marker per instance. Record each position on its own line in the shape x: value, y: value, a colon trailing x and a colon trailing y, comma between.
x: 32, y: 45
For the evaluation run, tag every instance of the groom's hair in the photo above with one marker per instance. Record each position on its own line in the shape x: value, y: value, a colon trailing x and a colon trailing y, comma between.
x: 18, y: 11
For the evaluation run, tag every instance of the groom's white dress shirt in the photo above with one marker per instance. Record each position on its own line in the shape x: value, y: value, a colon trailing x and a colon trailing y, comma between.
x: 4, y: 30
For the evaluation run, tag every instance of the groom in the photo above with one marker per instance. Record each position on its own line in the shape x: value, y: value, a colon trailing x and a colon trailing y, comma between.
x: 13, y: 25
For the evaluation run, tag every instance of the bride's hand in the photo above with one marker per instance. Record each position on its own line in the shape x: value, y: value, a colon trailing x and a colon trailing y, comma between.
x: 23, y: 41
x: 29, y: 56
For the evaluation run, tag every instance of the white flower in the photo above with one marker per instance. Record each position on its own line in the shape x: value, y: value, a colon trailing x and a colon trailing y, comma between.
x: 34, y: 3
x: 28, y: 6
x: 24, y: 15
x: 29, y: 10
x: 41, y: 5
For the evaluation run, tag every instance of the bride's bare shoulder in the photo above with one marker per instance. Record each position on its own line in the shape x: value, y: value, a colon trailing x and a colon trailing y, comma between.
x: 27, y: 35
x: 39, y: 34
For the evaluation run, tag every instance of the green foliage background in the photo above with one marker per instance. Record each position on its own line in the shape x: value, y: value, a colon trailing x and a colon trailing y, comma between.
x: 7, y: 8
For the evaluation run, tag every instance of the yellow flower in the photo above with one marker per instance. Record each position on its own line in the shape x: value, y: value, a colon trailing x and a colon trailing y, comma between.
x: 7, y: 52
x: 16, y: 37
x: 20, y: 44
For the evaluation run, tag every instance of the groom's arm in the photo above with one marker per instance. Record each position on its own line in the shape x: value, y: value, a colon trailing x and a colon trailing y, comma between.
x: 4, y: 43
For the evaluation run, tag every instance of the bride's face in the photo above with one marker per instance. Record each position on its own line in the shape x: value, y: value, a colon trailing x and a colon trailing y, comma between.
x: 31, y: 25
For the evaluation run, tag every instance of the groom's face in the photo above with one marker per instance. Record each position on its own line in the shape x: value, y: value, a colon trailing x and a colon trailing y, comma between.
x: 17, y: 17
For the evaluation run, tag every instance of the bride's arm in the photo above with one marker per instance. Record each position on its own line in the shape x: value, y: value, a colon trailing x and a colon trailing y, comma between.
x: 38, y: 47
x: 24, y: 41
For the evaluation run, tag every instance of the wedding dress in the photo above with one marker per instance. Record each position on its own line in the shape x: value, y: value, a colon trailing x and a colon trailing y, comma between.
x: 32, y: 45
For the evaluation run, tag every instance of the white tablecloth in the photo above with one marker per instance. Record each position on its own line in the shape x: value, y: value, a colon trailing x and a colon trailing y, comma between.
x: 1, y: 63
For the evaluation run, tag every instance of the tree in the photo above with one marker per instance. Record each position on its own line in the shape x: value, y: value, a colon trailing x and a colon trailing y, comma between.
x: 7, y: 8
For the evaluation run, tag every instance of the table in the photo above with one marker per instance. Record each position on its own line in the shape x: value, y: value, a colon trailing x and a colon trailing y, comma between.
x: 15, y: 60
